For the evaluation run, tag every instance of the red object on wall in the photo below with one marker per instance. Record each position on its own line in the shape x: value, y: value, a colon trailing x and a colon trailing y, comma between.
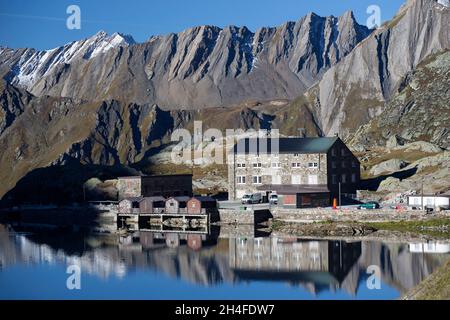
x: 290, y: 199
x: 334, y: 203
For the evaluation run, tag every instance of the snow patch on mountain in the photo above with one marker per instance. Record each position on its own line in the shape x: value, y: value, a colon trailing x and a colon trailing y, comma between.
x: 33, y: 64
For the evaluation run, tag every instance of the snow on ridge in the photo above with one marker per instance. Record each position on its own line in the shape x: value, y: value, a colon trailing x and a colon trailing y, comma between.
x: 33, y: 64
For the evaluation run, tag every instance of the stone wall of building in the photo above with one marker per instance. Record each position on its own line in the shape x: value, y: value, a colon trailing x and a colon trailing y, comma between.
x: 129, y: 187
x: 284, y: 172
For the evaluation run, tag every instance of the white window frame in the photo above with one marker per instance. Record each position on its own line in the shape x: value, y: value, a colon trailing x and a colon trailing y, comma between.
x: 316, y: 179
x: 258, y: 180
x: 353, y: 177
x: 240, y: 179
x: 313, y: 165
x: 296, y: 179
x: 276, y: 179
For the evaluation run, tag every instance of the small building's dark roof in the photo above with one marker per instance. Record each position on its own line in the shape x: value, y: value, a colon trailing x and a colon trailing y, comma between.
x: 294, y: 189
x: 181, y: 198
x: 284, y: 145
x: 204, y: 199
x: 155, y: 199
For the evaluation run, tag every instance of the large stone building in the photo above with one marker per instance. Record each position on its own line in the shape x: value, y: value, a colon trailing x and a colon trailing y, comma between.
x: 153, y: 186
x: 306, y: 171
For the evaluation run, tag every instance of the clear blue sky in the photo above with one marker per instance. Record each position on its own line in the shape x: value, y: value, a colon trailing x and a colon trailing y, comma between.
x: 42, y: 24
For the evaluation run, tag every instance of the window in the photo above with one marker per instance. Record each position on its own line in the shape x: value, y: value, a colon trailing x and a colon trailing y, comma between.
x: 312, y: 179
x: 257, y: 165
x: 344, y: 164
x: 296, y: 179
x: 333, y: 152
x: 257, y: 180
x: 313, y: 165
x: 353, y: 177
x: 276, y: 179
x: 334, y: 179
x: 241, y: 165
x: 296, y: 154
x: 295, y: 164
x: 334, y: 164
x: 276, y: 165
x: 240, y: 179
x: 344, y: 178
x: 343, y: 152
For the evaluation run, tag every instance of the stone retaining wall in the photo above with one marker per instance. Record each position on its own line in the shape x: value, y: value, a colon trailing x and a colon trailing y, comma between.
x: 250, y: 217
x: 320, y: 214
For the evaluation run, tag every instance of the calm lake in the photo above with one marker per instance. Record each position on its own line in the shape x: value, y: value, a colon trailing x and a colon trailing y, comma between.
x: 35, y: 263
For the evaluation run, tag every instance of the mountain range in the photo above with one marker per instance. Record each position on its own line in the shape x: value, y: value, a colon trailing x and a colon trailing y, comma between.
x: 108, y: 100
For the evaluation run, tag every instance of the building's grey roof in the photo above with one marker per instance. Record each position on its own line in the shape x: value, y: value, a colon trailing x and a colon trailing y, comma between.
x: 294, y: 189
x: 157, y: 176
x: 284, y: 145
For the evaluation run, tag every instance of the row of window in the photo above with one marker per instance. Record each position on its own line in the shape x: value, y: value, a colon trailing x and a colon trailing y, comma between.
x: 278, y: 165
x: 297, y: 179
x: 334, y: 152
x: 334, y: 164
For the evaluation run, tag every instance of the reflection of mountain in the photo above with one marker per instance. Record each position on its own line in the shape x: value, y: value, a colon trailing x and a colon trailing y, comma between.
x: 209, y: 260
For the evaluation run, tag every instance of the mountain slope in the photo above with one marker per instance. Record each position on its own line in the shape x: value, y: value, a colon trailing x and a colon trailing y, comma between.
x: 420, y: 111
x: 200, y: 67
x: 356, y: 89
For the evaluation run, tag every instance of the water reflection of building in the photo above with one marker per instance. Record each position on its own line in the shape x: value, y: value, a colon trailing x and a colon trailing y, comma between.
x: 316, y: 264
x: 211, y: 260
x: 429, y: 247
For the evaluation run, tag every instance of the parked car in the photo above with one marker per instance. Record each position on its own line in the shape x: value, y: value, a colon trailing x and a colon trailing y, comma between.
x: 251, y: 198
x: 246, y: 198
x: 369, y: 205
x: 273, y: 199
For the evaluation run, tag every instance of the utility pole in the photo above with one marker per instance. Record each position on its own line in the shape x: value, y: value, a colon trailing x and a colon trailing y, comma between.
x: 423, y: 205
x: 339, y: 195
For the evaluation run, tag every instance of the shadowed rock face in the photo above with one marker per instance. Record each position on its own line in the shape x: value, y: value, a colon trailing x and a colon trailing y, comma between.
x: 355, y: 90
x: 200, y: 67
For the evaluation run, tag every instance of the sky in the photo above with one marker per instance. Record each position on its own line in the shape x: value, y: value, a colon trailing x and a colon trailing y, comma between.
x: 42, y: 24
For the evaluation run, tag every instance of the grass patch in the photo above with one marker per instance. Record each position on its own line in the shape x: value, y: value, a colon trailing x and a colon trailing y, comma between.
x: 277, y: 224
x: 439, y: 227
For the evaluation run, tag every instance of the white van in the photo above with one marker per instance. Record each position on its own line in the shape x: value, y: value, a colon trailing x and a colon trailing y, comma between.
x: 251, y: 198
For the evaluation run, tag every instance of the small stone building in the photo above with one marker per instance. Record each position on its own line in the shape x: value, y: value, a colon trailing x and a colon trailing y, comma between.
x: 130, y: 205
x: 154, y: 186
x: 177, y: 204
x: 201, y: 205
x: 152, y: 205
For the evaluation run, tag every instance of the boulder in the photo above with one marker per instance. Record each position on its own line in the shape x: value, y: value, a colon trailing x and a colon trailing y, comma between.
x: 388, y: 166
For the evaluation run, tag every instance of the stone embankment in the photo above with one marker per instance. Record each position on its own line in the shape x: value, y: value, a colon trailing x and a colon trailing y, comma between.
x: 352, y: 215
